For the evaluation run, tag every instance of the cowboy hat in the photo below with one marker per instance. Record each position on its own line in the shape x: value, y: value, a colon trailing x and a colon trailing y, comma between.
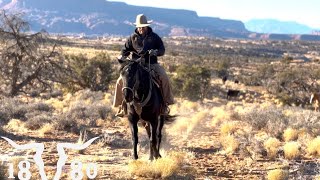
x: 141, y: 21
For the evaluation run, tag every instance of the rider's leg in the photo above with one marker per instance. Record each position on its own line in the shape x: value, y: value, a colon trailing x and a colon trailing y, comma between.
x: 118, y: 98
x: 165, y: 85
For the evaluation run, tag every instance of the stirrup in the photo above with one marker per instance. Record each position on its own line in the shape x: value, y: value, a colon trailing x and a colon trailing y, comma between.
x: 122, y: 110
x: 120, y: 113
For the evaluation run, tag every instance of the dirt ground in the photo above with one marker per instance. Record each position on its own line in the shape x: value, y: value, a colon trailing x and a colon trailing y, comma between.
x: 204, y: 157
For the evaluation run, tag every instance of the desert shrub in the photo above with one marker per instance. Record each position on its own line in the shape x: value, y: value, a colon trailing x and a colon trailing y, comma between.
x: 3, y: 169
x: 221, y: 68
x: 291, y: 150
x: 84, y: 114
x: 191, y: 82
x: 291, y: 85
x: 64, y: 123
x: 12, y: 108
x: 35, y: 122
x: 89, y: 96
x: 287, y: 59
x: 272, y: 146
x: 41, y: 106
x: 290, y: 134
x: 163, y: 168
x: 278, y: 174
x: 94, y: 73
x: 265, y: 72
x: 28, y: 62
x: 270, y: 119
x: 304, y: 119
x: 313, y: 147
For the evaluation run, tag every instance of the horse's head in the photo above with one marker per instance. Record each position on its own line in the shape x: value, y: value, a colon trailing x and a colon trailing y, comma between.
x: 128, y: 72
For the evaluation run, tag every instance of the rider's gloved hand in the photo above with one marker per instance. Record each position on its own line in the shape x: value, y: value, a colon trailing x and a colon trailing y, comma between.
x: 153, y: 52
x: 120, y: 57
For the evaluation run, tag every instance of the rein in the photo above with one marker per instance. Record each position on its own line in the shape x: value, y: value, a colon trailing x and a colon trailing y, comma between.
x: 146, y: 100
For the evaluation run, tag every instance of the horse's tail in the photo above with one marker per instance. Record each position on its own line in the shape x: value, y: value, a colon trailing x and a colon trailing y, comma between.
x: 168, y: 119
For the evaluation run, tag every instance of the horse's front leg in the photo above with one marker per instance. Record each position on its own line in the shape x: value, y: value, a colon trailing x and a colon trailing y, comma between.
x: 159, y: 133
x: 147, y: 127
x: 154, y: 153
x: 134, y: 133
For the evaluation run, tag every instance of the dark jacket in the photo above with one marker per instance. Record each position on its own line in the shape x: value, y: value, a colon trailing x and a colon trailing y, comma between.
x: 139, y: 45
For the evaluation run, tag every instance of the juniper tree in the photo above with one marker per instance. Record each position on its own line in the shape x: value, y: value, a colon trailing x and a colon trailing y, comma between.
x: 28, y: 62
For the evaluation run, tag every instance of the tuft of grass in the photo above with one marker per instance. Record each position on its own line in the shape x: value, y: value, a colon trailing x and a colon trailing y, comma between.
x: 290, y: 134
x: 291, y: 150
x: 46, y: 129
x: 313, y: 147
x: 229, y: 143
x: 228, y: 128
x: 272, y: 146
x: 219, y: 115
x: 278, y: 174
x: 16, y: 125
x: 161, y: 168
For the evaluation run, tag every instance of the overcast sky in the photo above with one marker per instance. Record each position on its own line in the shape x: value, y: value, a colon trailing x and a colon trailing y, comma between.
x: 302, y: 11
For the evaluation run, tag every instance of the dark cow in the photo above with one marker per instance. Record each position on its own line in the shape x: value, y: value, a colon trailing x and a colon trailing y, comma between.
x: 232, y: 93
x: 224, y: 79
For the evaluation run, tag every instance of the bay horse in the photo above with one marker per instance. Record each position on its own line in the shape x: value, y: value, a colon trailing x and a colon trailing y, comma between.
x: 144, y: 101
x: 315, y: 99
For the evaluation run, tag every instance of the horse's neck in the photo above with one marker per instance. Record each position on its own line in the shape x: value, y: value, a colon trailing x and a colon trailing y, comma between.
x: 144, y: 81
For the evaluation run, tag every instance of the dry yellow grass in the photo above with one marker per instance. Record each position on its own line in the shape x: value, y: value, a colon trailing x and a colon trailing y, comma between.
x: 108, y: 98
x: 57, y: 104
x: 46, y: 129
x: 290, y: 134
x: 228, y: 128
x: 278, y: 174
x: 229, y: 143
x: 272, y: 146
x: 100, y: 122
x: 291, y: 150
x: 219, y: 115
x: 313, y: 147
x: 16, y: 125
x: 161, y: 168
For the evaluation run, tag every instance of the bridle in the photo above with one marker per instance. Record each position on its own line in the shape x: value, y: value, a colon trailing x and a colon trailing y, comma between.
x: 146, y: 100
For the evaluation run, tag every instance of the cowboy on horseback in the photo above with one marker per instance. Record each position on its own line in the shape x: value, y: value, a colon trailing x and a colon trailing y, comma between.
x: 148, y: 45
